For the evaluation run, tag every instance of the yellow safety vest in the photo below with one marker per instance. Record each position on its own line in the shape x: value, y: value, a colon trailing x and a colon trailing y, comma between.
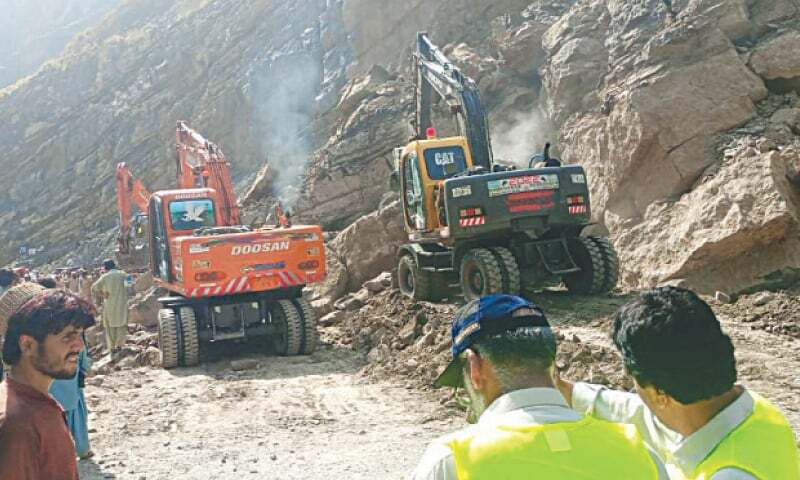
x: 588, y: 449
x: 763, y: 445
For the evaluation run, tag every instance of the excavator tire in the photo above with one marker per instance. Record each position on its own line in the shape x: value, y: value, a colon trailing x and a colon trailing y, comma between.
x: 480, y: 274
x: 588, y: 256
x: 310, y: 334
x: 509, y: 269
x: 191, y: 344
x: 413, y: 282
x: 289, y: 336
x: 610, y: 262
x: 168, y: 338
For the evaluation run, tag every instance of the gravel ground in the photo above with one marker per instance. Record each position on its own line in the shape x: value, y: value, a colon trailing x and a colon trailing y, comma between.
x: 287, y: 418
x: 335, y: 413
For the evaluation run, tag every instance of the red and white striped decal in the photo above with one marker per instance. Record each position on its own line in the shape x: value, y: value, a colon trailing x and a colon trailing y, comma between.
x: 236, y: 285
x: 472, y: 222
x: 576, y: 209
x: 290, y: 279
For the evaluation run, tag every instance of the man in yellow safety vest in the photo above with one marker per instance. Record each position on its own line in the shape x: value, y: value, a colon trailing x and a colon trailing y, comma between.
x: 503, y: 355
x: 689, y: 408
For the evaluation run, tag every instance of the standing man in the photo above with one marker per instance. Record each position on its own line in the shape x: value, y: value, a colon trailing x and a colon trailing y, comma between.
x: 503, y: 355
x: 689, y: 408
x: 42, y: 343
x: 111, y: 287
x: 86, y: 285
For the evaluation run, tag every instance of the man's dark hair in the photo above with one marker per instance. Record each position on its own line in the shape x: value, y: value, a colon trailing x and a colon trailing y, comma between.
x: 109, y: 264
x: 48, y: 282
x: 48, y: 313
x: 520, y: 355
x: 670, y: 339
x: 7, y: 277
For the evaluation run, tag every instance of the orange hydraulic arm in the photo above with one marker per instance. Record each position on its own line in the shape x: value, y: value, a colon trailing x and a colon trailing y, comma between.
x: 202, y: 164
x: 129, y: 189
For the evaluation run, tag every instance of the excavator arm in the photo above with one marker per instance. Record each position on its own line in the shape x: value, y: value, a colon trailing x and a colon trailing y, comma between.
x: 130, y: 191
x: 202, y: 164
x: 435, y: 73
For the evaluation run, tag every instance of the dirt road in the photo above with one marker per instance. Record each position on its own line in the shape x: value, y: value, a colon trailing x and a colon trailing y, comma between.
x: 320, y: 417
x: 288, y: 418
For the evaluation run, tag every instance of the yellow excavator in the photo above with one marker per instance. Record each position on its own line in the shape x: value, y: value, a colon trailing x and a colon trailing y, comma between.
x: 487, y: 227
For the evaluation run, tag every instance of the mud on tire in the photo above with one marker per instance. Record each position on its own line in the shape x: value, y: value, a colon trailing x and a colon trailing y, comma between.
x: 167, y: 338
x: 310, y: 334
x: 610, y: 262
x: 588, y: 256
x: 288, y: 337
x: 480, y: 274
x: 413, y: 282
x: 509, y: 270
x: 191, y: 344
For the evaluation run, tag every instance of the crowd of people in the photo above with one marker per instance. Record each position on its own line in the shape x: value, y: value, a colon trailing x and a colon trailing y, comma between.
x: 43, y: 413
x: 689, y: 418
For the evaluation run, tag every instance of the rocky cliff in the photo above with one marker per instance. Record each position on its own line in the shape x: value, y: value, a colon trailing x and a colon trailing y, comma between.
x: 33, y: 31
x: 684, y: 113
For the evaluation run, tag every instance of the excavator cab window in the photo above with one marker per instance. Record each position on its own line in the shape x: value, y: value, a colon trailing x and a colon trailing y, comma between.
x: 159, y: 246
x: 191, y: 214
x: 444, y: 162
x: 413, y: 194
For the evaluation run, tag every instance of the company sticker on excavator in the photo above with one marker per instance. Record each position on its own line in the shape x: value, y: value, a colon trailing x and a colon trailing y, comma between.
x: 529, y: 183
x: 464, y: 191
x: 198, y: 248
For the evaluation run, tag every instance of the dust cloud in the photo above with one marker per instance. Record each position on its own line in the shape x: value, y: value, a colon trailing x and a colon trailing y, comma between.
x: 284, y: 92
x: 516, y: 140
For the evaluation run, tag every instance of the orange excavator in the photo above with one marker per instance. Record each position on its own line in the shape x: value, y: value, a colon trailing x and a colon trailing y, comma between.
x: 227, y: 281
x: 132, y: 245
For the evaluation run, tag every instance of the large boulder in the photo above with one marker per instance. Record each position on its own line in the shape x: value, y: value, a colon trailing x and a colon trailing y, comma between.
x: 143, y: 309
x: 778, y: 58
x: 368, y: 247
x: 739, y: 224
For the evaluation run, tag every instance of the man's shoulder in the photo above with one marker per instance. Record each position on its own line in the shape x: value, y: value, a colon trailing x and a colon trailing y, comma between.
x: 16, y: 419
x: 439, y: 449
x: 437, y: 462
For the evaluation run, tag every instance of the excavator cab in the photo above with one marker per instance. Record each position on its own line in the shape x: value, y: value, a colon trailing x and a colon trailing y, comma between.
x: 422, y: 168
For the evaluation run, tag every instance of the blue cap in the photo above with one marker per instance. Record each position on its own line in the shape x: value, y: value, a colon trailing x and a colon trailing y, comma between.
x: 485, y: 317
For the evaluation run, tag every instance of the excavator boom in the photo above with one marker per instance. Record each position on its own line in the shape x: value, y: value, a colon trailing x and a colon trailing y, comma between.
x: 201, y: 164
x: 435, y: 73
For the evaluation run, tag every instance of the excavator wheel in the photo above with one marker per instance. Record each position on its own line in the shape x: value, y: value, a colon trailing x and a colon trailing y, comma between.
x: 310, y: 334
x: 588, y: 256
x: 509, y: 269
x: 288, y: 337
x: 481, y: 274
x: 610, y: 262
x: 168, y: 338
x: 191, y: 344
x: 413, y: 282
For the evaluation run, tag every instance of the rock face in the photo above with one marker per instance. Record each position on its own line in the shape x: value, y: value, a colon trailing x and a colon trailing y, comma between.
x: 665, y: 103
x: 33, y: 31
x: 116, y: 93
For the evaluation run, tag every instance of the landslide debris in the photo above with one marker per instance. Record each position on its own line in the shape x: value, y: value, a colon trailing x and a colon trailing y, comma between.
x: 409, y: 339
